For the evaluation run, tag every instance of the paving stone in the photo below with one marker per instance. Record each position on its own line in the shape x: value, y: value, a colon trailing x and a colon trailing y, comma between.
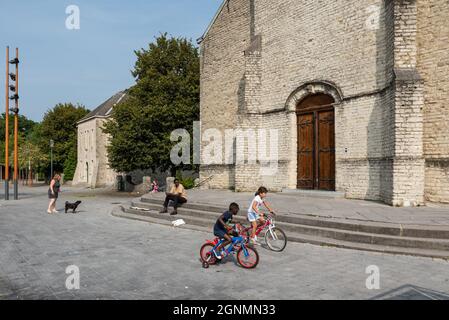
x: 125, y: 259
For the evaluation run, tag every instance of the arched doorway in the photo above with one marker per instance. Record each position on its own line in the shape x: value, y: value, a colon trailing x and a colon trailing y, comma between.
x: 316, y: 142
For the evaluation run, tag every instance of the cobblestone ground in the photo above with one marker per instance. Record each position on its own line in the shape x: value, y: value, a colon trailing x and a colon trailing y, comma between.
x: 125, y: 259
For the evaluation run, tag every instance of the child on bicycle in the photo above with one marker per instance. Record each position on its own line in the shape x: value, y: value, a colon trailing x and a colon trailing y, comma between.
x: 254, y: 215
x: 223, y: 230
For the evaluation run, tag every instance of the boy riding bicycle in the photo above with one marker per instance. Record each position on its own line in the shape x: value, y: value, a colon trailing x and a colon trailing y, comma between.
x: 223, y: 230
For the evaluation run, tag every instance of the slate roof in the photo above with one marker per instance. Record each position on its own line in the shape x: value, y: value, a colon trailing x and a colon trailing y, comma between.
x: 104, y: 109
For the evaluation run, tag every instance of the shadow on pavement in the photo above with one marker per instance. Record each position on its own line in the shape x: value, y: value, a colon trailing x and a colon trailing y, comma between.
x: 410, y: 292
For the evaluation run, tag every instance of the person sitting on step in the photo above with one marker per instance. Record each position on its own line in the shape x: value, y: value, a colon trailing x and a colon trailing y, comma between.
x: 178, y: 195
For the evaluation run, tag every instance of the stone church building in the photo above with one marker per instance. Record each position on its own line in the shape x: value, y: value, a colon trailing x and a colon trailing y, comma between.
x: 92, y: 168
x: 359, y: 91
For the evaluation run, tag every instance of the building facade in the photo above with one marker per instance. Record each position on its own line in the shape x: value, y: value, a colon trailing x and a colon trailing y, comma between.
x: 92, y: 168
x: 357, y: 90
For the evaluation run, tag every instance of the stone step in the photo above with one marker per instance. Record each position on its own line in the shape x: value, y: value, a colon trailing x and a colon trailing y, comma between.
x: 122, y: 212
x: 292, y: 237
x: 314, y: 193
x: 412, y: 231
x: 321, y: 241
x: 190, y: 220
x: 208, y: 219
x: 188, y: 205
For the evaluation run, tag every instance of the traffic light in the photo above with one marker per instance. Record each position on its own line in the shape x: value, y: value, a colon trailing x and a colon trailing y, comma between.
x: 14, y: 61
x: 14, y: 97
x: 12, y: 93
x: 13, y: 87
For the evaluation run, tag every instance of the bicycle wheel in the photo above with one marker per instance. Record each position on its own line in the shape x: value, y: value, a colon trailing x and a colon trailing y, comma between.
x: 276, y: 239
x: 250, y: 261
x: 207, y: 255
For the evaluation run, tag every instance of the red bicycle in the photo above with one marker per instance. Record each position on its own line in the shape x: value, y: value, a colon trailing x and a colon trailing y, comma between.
x: 275, y: 238
x: 247, y: 257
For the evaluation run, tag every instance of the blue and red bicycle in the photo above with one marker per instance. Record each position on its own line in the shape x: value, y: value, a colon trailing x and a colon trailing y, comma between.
x: 247, y: 256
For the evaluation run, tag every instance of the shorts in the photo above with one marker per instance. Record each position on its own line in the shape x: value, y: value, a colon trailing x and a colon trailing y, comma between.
x: 51, y: 195
x: 220, y: 233
x: 252, y: 216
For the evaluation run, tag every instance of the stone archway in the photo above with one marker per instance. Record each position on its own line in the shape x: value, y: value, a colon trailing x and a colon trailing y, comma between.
x: 311, y: 105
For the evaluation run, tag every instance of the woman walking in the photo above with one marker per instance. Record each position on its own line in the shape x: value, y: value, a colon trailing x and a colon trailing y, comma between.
x: 53, y: 192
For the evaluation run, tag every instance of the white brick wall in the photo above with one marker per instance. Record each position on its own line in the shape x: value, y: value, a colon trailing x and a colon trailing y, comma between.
x: 253, y: 74
x: 92, y: 144
x: 433, y: 65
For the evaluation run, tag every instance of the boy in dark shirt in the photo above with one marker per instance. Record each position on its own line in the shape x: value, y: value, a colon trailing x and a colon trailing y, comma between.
x: 223, y: 230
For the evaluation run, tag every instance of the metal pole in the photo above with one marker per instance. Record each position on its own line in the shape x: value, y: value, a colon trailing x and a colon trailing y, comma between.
x: 7, y: 128
x: 51, y: 159
x: 16, y: 134
x: 30, y: 172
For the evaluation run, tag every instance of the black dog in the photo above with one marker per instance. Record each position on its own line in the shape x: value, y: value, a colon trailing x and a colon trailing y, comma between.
x: 72, y: 206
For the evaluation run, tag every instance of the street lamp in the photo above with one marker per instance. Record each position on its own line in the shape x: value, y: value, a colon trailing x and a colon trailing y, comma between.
x: 52, y: 145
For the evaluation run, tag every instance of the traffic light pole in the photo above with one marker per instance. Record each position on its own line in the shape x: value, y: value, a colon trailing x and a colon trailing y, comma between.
x: 7, y: 128
x: 16, y: 132
x: 15, y: 89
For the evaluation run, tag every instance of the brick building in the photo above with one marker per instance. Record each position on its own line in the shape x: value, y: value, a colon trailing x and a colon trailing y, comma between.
x: 358, y: 90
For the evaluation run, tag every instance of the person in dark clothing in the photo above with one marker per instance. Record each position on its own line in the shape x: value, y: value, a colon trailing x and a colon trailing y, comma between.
x: 223, y: 230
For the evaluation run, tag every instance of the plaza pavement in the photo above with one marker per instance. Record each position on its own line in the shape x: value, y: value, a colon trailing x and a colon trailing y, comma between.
x: 126, y: 259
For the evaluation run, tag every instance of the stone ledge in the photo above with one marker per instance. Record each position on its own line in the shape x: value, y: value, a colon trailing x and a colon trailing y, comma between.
x: 315, y: 193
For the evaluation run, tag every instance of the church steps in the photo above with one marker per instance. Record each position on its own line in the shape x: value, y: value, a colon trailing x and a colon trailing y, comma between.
x: 163, y: 220
x: 322, y: 241
x: 188, y: 205
x: 207, y: 219
x: 391, y: 229
x: 205, y: 225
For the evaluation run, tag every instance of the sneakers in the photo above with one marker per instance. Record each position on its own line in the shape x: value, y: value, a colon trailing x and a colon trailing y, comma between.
x: 163, y: 210
x: 254, y: 241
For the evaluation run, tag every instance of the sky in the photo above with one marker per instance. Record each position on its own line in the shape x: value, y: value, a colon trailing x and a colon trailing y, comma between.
x: 87, y: 65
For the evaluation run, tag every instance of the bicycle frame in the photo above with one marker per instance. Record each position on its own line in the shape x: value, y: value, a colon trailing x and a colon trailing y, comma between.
x: 231, y: 248
x: 269, y: 223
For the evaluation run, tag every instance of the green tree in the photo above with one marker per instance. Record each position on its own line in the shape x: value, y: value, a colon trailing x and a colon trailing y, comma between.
x: 164, y: 98
x: 26, y: 129
x: 70, y: 165
x: 31, y: 155
x: 60, y: 125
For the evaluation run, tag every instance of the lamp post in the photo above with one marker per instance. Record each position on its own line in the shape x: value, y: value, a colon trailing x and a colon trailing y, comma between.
x: 52, y: 145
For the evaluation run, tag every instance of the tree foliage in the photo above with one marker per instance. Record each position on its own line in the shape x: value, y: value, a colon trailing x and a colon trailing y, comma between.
x: 60, y: 125
x: 164, y: 98
x: 30, y: 154
x: 26, y: 131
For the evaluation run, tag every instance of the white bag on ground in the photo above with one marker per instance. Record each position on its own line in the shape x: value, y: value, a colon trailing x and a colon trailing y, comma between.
x: 178, y: 223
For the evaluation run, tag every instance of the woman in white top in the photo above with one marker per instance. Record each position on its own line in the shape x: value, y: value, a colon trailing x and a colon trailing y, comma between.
x: 254, y: 214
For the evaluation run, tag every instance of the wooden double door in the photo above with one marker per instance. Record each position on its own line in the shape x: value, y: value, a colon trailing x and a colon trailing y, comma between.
x: 316, y: 143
